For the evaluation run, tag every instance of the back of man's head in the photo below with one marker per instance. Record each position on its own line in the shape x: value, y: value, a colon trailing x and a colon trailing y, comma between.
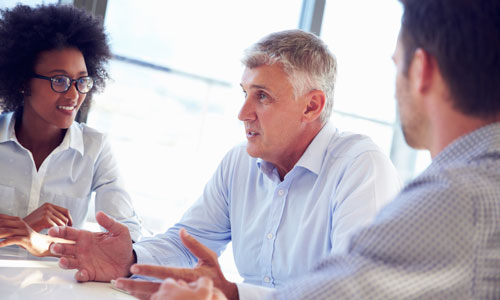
x: 303, y: 56
x: 464, y: 38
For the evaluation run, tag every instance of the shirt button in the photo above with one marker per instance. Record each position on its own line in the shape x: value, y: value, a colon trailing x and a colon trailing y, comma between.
x: 281, y: 192
x: 267, y: 279
x: 269, y: 236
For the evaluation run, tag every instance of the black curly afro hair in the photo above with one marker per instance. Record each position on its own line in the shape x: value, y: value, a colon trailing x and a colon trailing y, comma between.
x: 27, y: 31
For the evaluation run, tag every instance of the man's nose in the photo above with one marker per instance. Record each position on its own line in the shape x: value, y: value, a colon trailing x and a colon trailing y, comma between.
x: 247, y: 111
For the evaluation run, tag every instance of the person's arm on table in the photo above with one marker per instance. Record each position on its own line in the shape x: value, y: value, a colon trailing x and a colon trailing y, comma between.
x: 98, y: 256
x: 15, y: 231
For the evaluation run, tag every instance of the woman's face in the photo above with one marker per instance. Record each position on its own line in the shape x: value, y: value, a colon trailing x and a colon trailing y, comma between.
x: 46, y: 107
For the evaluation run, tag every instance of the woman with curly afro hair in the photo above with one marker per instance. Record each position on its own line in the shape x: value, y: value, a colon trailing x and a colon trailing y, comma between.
x: 52, y: 59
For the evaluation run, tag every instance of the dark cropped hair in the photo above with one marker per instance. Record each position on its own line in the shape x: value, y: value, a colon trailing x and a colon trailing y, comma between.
x: 26, y: 31
x: 464, y: 38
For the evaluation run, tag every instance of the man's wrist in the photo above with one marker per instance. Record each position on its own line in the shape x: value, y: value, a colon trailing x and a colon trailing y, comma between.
x: 132, y: 262
x: 231, y: 291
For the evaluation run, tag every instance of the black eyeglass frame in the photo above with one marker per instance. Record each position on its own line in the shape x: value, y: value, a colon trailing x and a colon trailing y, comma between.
x: 71, y: 80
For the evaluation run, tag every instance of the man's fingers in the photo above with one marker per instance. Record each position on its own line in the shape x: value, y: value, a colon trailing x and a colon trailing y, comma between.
x: 72, y: 263
x: 182, y: 282
x: 205, y: 287
x: 160, y: 272
x: 82, y: 276
x: 64, y: 232
x: 198, y: 249
x: 110, y: 224
x: 67, y: 262
x: 205, y: 282
x: 137, y: 286
x: 169, y: 282
x: 218, y: 294
x: 63, y: 249
x: 168, y: 287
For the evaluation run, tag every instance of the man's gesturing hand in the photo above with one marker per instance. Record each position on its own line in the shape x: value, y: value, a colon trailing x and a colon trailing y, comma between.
x: 97, y: 256
x: 208, y: 266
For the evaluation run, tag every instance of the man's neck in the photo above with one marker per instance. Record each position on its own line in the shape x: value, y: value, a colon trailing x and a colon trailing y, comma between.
x: 452, y: 125
x: 286, y: 162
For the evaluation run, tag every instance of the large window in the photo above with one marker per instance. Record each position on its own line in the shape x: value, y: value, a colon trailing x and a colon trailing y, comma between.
x: 363, y: 42
x: 362, y: 34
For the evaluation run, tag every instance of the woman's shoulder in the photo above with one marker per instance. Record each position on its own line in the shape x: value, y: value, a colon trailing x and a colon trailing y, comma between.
x: 87, y: 131
x: 89, y: 136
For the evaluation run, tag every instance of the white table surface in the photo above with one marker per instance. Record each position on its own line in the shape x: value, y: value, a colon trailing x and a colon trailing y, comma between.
x: 26, y: 277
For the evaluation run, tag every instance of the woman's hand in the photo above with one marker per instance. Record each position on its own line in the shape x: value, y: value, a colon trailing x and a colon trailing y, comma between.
x: 48, y: 215
x: 15, y: 231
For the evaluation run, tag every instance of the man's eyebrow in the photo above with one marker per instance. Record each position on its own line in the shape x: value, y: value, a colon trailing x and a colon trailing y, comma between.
x: 255, y: 86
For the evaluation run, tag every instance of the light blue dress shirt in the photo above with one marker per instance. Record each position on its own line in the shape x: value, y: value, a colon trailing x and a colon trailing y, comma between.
x: 81, y: 164
x: 439, y: 238
x: 280, y: 229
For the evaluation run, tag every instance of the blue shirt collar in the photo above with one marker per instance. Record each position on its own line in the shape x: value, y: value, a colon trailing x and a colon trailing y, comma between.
x: 72, y: 139
x: 485, y: 140
x: 312, y: 159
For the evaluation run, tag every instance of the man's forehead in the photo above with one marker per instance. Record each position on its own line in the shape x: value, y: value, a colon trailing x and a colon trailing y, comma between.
x: 262, y: 76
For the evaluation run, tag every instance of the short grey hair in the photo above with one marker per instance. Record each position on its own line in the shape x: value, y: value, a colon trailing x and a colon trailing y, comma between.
x: 305, y: 58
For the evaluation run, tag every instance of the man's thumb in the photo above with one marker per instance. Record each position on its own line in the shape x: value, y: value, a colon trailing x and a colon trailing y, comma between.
x: 109, y: 223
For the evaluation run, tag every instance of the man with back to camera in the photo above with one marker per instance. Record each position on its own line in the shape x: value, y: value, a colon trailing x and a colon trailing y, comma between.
x: 440, y: 237
x: 287, y: 198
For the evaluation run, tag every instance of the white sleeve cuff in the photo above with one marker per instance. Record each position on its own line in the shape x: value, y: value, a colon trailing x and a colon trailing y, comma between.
x: 252, y: 292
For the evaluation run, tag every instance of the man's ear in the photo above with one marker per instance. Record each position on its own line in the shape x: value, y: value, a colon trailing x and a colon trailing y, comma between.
x: 315, y: 103
x: 422, y: 70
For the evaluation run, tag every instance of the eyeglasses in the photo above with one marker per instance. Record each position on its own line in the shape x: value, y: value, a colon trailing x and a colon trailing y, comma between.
x: 62, y: 83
